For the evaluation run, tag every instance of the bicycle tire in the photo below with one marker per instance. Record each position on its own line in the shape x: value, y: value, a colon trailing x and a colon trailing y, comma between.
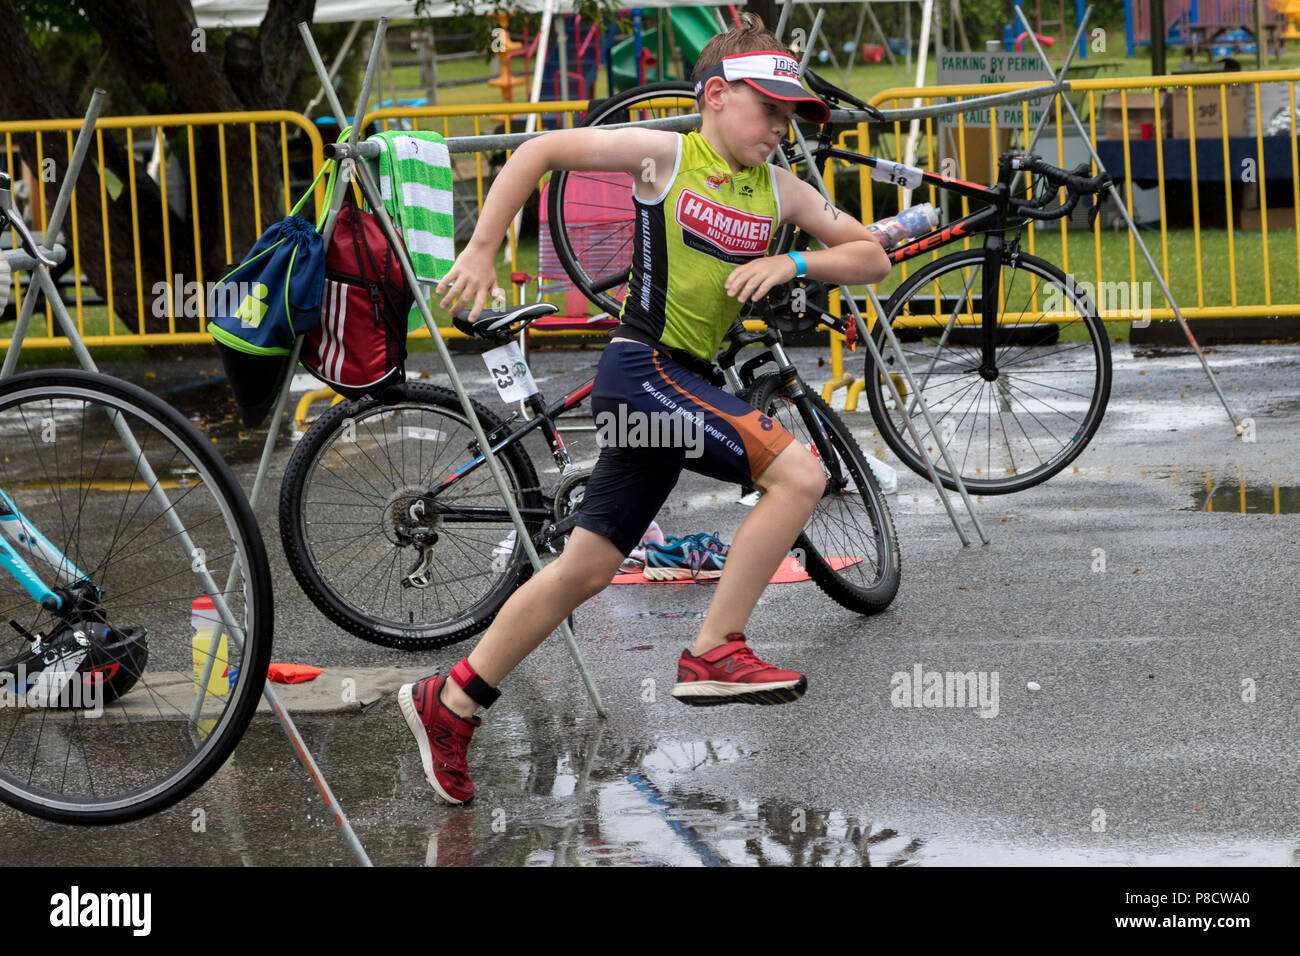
x: 956, y: 372
x: 304, y: 492
x: 608, y: 245
x: 877, y: 549
x: 202, y: 493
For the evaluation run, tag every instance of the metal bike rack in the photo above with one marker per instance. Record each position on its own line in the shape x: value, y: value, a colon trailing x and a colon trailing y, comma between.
x: 1119, y: 204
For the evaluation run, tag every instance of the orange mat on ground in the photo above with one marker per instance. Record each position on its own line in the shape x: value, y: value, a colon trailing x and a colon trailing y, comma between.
x: 789, y: 572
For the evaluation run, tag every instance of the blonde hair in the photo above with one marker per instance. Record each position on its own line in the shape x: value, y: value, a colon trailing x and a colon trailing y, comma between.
x: 750, y: 37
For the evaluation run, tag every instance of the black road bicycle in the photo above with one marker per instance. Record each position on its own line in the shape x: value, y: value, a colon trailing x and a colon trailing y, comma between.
x: 395, y: 528
x: 1009, y: 353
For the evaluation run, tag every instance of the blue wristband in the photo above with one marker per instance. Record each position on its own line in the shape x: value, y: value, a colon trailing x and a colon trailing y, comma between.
x: 800, y: 264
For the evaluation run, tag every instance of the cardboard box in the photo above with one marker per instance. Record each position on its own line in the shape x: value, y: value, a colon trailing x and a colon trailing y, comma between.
x: 981, y: 158
x: 1206, y: 110
x: 1278, y: 218
x: 1141, y: 111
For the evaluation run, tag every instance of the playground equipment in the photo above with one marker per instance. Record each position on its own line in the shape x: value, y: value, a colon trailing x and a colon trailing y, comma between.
x: 1223, y: 27
x: 1290, y: 9
x: 644, y: 56
x: 573, y: 62
x: 1049, y: 22
x: 506, y: 48
x: 1019, y: 43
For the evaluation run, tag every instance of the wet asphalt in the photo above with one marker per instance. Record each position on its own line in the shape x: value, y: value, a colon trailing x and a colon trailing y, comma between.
x: 1125, y: 731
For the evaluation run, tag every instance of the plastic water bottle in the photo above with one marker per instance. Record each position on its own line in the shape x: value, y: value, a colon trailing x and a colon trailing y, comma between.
x: 204, y: 619
x: 908, y: 224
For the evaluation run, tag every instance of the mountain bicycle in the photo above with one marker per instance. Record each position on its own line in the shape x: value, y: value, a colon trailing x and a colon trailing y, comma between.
x: 116, y: 515
x: 395, y: 528
x: 1010, y: 354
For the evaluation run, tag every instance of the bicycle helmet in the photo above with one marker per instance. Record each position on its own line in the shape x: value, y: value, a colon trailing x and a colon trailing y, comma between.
x: 97, y: 655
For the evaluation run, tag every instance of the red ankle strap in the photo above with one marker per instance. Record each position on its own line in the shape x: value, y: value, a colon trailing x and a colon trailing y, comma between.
x: 475, y: 687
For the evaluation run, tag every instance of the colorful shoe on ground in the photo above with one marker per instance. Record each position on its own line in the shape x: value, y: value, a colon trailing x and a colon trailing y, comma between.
x: 733, y: 674
x: 442, y: 735
x: 636, y: 558
x: 683, y: 559
x: 711, y: 542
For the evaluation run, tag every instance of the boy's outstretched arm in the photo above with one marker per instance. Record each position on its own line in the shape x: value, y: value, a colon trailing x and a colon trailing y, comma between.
x: 472, y: 279
x: 852, y: 256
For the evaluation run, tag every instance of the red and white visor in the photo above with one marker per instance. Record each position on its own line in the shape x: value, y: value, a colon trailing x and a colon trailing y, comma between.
x: 772, y: 74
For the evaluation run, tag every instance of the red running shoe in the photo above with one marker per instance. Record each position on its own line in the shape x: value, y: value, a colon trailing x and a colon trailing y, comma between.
x: 733, y: 674
x: 443, y: 736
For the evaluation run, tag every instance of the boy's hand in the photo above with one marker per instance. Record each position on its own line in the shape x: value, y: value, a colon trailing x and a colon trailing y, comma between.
x: 753, y: 280
x: 469, y: 282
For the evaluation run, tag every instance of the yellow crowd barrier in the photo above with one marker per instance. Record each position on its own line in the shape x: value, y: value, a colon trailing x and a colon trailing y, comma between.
x: 1256, y: 283
x: 1192, y: 269
x: 110, y: 328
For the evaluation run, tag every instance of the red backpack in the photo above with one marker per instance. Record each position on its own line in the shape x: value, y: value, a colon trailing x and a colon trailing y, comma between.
x: 359, y: 348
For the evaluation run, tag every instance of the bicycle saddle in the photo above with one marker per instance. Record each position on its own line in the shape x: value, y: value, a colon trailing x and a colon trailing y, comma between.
x: 493, y: 322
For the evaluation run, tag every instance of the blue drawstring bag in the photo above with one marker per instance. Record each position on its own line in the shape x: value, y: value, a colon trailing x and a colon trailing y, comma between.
x: 273, y: 296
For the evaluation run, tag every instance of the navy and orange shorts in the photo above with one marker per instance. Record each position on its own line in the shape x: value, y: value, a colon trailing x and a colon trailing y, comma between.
x: 717, y: 434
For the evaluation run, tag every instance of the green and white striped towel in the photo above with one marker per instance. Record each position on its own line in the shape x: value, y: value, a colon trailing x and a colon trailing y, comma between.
x: 414, y: 173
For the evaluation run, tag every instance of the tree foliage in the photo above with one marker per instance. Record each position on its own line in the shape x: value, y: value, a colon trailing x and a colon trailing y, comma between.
x: 151, y: 59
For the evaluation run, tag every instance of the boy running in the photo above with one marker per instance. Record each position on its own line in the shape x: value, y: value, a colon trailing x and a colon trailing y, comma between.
x: 707, y: 205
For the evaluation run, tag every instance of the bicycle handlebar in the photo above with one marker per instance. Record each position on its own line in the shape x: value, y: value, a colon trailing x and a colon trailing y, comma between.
x: 28, y: 241
x: 1076, y: 182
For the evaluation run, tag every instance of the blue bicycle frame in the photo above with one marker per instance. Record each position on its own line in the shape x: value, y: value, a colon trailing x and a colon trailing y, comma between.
x: 20, y: 534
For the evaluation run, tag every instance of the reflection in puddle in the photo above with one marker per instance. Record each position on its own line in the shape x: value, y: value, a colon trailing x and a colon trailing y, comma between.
x: 1234, y: 494
x: 638, y: 806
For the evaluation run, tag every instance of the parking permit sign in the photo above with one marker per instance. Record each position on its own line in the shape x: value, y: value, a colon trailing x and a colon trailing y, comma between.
x: 510, y: 373
x: 962, y: 69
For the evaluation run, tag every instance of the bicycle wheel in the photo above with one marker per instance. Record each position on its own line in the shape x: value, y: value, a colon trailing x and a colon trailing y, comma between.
x: 1017, y: 424
x: 347, y: 495
x: 591, y: 215
x: 140, y: 518
x: 849, y: 544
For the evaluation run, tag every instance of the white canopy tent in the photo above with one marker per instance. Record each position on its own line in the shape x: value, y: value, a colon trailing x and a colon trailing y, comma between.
x: 229, y: 14
x: 249, y: 13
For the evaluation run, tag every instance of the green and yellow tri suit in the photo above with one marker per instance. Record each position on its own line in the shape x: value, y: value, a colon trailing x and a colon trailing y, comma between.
x: 706, y: 222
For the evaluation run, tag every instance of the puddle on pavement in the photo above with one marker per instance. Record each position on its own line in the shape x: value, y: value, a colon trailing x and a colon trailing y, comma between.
x: 552, y: 791
x: 611, y: 804
x: 1235, y: 494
